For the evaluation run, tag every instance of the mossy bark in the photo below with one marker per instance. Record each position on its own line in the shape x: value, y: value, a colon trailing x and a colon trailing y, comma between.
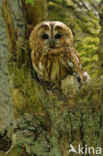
x: 100, y: 49
x: 47, y: 121
x: 83, y: 19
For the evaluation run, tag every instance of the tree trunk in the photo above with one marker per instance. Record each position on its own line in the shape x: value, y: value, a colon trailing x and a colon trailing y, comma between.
x: 85, y: 31
x: 47, y: 121
x: 83, y: 19
x: 100, y: 49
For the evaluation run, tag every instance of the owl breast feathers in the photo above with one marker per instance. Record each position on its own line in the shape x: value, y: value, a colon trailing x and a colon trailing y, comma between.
x: 53, y: 56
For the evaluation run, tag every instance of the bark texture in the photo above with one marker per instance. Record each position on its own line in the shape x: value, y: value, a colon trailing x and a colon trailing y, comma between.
x: 100, y: 49
x: 47, y: 121
x: 72, y: 13
x: 6, y: 109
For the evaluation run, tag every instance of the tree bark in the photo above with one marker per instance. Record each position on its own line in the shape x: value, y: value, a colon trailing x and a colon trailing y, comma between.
x: 100, y: 49
x: 83, y: 19
x: 47, y: 121
x: 85, y: 31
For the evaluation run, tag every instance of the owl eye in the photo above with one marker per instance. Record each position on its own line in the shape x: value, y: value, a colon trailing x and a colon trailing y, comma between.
x: 57, y: 36
x: 45, y: 36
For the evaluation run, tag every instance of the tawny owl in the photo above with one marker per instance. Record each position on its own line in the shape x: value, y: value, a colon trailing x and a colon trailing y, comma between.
x: 53, y: 55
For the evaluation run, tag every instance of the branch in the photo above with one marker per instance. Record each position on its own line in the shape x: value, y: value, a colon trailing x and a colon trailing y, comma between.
x: 11, y: 33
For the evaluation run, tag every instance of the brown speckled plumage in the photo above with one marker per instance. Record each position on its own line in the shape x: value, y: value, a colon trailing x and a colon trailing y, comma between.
x: 53, y: 55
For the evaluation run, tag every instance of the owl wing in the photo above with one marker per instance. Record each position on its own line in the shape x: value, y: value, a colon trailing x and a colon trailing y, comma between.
x: 85, y: 74
x: 72, y: 63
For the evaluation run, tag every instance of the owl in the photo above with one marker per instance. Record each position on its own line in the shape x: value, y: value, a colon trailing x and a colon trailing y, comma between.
x: 53, y: 56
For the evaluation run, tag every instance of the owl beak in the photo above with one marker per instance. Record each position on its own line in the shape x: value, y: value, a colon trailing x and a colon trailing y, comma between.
x: 52, y: 45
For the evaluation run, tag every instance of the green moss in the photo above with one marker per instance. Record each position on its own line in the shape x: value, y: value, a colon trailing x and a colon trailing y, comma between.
x: 69, y: 2
x: 52, y: 4
x: 87, y: 49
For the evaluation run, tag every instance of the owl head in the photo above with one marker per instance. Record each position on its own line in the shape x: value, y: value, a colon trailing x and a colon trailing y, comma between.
x: 51, y: 34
